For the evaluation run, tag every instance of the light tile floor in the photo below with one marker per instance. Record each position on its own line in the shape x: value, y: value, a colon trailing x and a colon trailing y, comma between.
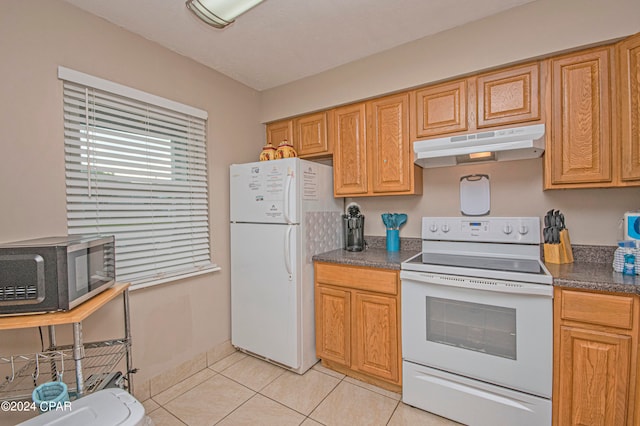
x: 243, y: 390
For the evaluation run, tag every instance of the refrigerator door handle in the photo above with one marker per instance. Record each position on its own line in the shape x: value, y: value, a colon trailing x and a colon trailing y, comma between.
x: 287, y: 251
x: 287, y: 198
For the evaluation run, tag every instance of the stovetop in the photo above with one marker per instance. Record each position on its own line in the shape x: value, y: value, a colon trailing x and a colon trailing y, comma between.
x: 505, y: 248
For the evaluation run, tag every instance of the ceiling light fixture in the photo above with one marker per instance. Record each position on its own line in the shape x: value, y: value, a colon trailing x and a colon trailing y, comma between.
x: 220, y: 13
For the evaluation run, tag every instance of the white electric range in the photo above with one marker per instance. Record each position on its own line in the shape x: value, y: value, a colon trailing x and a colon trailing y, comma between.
x: 477, y: 319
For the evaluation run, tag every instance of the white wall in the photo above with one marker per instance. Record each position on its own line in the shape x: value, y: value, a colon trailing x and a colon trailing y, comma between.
x: 593, y: 215
x: 171, y: 323
x: 532, y: 30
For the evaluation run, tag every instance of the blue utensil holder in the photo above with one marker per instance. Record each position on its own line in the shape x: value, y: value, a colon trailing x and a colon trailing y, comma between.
x: 393, y: 240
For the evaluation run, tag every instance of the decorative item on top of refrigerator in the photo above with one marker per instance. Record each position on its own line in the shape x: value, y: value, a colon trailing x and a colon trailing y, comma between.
x: 285, y: 150
x: 268, y: 153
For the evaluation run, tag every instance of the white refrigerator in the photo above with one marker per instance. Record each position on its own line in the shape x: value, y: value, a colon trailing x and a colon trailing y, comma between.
x: 282, y: 213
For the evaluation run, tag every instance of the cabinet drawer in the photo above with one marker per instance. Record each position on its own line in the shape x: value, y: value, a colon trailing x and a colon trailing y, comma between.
x: 601, y: 309
x: 369, y: 279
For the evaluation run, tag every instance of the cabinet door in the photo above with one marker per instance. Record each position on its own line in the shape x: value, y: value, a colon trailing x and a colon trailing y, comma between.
x: 629, y: 54
x: 581, y: 150
x: 441, y: 109
x: 279, y: 131
x: 593, y: 377
x: 388, y: 143
x: 311, y: 135
x: 376, y: 336
x: 509, y: 96
x: 349, y: 156
x: 333, y: 324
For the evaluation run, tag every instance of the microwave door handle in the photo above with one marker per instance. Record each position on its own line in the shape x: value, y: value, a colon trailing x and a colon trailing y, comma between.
x: 287, y: 251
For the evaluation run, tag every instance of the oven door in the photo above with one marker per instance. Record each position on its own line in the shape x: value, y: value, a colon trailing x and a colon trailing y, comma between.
x: 496, y: 331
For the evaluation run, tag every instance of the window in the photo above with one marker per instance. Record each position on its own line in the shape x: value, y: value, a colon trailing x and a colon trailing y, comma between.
x: 136, y: 167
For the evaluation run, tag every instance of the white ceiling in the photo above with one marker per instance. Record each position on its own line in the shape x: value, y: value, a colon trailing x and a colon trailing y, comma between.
x: 280, y: 41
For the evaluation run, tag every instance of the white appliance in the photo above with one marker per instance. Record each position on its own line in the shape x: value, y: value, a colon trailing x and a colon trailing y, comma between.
x: 477, y: 322
x: 516, y: 143
x: 282, y: 213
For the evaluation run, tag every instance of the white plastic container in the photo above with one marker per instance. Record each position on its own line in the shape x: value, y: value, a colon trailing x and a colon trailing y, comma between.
x: 107, y: 407
x: 624, y: 247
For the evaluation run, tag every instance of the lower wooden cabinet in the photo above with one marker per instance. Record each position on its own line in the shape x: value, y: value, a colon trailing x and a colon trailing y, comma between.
x: 358, y: 322
x: 333, y: 324
x: 595, y: 358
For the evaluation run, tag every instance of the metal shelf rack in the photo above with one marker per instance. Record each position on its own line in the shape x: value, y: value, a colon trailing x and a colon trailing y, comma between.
x: 92, y: 365
x: 22, y: 373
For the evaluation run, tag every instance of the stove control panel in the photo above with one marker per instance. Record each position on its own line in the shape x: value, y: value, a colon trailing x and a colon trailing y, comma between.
x: 522, y: 230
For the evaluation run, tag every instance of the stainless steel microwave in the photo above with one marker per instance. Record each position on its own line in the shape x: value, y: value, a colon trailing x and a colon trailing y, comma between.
x: 54, y: 273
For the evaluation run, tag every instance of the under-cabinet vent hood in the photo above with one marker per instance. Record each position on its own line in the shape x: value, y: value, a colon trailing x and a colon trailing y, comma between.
x: 517, y: 143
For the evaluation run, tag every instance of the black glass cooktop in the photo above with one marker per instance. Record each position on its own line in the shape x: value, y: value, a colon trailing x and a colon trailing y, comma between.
x: 529, y: 266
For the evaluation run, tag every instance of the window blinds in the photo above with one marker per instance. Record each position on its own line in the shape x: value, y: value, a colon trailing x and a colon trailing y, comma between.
x: 138, y: 170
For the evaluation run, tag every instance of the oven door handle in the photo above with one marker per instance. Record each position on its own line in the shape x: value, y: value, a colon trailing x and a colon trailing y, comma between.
x: 490, y: 396
x: 482, y: 284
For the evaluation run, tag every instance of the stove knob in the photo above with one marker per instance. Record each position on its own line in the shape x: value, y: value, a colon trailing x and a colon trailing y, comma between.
x: 507, y: 229
x: 523, y: 229
x: 433, y: 227
x: 445, y: 228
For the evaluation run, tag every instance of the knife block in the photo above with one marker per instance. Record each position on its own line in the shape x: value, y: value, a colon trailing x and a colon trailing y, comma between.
x: 559, y: 253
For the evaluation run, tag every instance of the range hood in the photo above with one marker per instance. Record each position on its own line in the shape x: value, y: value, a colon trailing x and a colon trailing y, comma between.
x: 517, y: 143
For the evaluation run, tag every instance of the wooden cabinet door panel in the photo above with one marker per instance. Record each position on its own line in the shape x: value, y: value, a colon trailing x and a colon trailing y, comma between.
x: 279, y: 131
x: 629, y: 54
x: 349, y: 156
x: 581, y: 125
x: 354, y: 277
x: 376, y: 340
x: 510, y: 96
x: 389, y: 145
x: 333, y: 324
x: 609, y: 310
x: 594, y: 377
x: 441, y: 109
x: 311, y: 135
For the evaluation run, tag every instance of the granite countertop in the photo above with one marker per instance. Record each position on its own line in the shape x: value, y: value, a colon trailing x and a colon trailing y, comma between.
x: 372, y: 257
x: 592, y: 269
x: 593, y: 276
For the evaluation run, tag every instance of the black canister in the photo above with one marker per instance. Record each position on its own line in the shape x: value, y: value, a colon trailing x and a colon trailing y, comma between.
x: 353, y: 229
x: 353, y: 233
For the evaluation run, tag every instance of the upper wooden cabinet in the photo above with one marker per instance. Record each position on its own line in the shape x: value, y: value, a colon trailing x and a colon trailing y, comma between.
x: 501, y: 98
x: 589, y: 102
x: 311, y: 135
x: 391, y: 167
x: 308, y: 134
x: 579, y: 149
x: 594, y: 124
x: 350, y: 153
x: 439, y: 109
x: 629, y: 83
x: 372, y: 151
x: 279, y: 131
x: 508, y: 97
